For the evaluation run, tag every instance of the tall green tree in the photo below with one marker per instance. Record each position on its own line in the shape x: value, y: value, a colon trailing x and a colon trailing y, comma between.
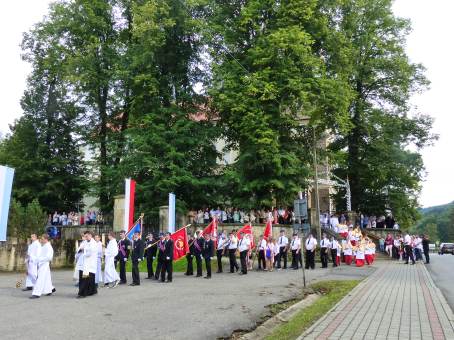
x: 267, y: 73
x: 380, y: 153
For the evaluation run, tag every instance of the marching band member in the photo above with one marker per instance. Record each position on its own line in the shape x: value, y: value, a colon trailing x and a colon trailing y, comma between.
x: 167, y: 264
x: 151, y: 248
x: 262, y: 258
x: 222, y: 243
x: 32, y: 262
x: 295, y: 246
x: 335, y: 251
x: 189, y: 256
x: 310, y: 244
x: 198, y: 244
x: 43, y: 283
x: 207, y: 252
x: 324, y: 246
x: 161, y: 249
x: 136, y: 257
x: 232, y: 247
x: 244, y: 245
x: 124, y: 247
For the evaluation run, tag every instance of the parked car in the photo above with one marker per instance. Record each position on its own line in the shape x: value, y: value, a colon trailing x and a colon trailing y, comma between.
x: 446, y: 248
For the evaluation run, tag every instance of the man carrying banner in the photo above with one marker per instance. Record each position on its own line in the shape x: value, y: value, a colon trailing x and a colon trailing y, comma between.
x: 244, y: 244
x: 222, y: 242
x: 207, y: 253
x: 198, y: 244
x: 150, y: 254
x: 136, y: 257
x: 161, y: 248
x: 32, y: 262
x: 124, y: 247
x: 167, y: 264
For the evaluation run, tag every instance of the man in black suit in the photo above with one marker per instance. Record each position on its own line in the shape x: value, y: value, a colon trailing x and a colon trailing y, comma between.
x: 124, y: 247
x: 160, y: 256
x: 167, y: 264
x: 198, y: 247
x: 150, y: 254
x: 189, y: 256
x: 136, y: 257
x: 207, y: 252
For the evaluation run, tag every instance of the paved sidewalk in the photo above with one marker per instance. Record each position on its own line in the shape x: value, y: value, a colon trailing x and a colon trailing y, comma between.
x: 397, y: 302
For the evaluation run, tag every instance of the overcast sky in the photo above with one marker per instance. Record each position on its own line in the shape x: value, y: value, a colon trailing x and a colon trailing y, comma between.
x: 430, y: 43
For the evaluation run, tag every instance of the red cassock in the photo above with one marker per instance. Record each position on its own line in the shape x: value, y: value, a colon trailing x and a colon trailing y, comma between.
x: 359, y: 262
x: 338, y: 260
x: 348, y: 259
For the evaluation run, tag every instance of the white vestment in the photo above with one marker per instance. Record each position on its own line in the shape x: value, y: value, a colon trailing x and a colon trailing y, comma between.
x: 90, y: 257
x: 98, y: 276
x: 110, y: 274
x: 43, y: 284
x: 32, y: 263
x: 79, y: 260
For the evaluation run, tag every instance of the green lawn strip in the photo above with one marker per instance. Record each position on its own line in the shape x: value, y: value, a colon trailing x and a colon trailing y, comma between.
x: 332, y: 292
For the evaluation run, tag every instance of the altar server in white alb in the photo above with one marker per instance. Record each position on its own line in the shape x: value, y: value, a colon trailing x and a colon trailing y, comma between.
x: 87, y: 285
x: 43, y: 283
x: 79, y: 260
x: 31, y: 262
x: 98, y: 275
x: 111, y: 277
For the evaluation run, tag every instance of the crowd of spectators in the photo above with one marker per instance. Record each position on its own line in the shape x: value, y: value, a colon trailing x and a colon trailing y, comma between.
x: 75, y: 218
x: 332, y: 221
x: 236, y: 215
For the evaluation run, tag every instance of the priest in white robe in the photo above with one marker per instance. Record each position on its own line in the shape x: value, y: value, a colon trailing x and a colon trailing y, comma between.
x: 31, y: 262
x: 111, y: 276
x: 79, y: 260
x: 87, y: 284
x: 98, y: 275
x: 43, y: 283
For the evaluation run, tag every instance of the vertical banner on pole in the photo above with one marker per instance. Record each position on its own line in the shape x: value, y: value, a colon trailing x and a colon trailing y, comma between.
x: 130, y: 189
x: 172, y: 212
x: 6, y: 184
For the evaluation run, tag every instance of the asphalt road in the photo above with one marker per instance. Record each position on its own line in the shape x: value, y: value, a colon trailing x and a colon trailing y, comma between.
x: 188, y: 308
x: 441, y: 268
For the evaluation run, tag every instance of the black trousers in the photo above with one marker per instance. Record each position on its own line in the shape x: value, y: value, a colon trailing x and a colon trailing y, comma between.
x: 295, y: 259
x: 198, y: 261
x: 243, y: 256
x: 262, y: 261
x: 310, y: 259
x: 189, y: 268
x: 282, y: 256
x: 135, y: 272
x: 334, y: 256
x: 122, y: 270
x: 87, y: 285
x: 324, y: 257
x: 409, y: 254
x: 159, y: 266
x: 426, y: 255
x: 232, y: 260
x: 300, y: 259
x: 150, y: 266
x: 167, y: 267
x: 208, y: 266
x: 219, y: 257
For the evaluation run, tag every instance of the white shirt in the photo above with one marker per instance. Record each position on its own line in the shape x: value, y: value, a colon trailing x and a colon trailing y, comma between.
x: 91, y: 256
x: 221, y: 242
x: 311, y: 243
x: 296, y: 244
x: 243, y: 244
x: 324, y: 243
x: 46, y: 254
x: 33, y: 252
x: 112, y: 248
x: 233, y: 243
x: 276, y: 249
x: 282, y: 241
x: 262, y: 244
x: 407, y: 240
x: 333, y: 244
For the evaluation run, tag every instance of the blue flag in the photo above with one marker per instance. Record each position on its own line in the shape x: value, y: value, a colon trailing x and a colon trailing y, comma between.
x: 136, y: 228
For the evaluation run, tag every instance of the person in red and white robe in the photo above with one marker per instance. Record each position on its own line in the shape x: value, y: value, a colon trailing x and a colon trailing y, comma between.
x: 348, y: 252
x: 360, y: 255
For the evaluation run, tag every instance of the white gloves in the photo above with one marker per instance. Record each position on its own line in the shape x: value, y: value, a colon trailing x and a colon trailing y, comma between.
x: 167, y: 258
x: 125, y: 259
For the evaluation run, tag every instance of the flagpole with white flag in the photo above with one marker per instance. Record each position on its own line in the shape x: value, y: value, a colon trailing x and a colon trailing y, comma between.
x: 172, y: 205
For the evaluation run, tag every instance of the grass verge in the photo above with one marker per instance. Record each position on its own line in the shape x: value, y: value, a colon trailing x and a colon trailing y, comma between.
x: 332, y: 292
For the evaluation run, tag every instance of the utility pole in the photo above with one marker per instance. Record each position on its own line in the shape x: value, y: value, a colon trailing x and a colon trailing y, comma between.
x: 317, y: 201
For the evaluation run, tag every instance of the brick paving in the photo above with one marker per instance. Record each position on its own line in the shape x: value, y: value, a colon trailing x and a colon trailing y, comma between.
x: 398, y: 301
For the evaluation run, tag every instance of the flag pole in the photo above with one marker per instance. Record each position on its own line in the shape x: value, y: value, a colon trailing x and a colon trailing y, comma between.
x: 151, y: 245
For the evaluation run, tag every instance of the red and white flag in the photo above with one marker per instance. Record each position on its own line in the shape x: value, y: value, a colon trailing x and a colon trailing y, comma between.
x: 247, y: 229
x: 212, y: 228
x: 268, y: 230
x: 130, y: 190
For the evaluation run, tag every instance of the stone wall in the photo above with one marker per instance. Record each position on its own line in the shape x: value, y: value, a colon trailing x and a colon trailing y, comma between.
x: 13, y: 252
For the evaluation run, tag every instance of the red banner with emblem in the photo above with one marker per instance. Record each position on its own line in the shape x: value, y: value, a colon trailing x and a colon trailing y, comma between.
x: 180, y: 243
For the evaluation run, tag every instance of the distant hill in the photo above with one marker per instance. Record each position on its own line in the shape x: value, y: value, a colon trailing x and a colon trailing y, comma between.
x: 437, y: 208
x: 438, y: 222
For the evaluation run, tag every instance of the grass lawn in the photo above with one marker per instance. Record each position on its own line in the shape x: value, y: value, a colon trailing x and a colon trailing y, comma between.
x: 332, y: 291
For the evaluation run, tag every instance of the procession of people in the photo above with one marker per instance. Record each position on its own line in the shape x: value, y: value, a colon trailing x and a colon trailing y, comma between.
x: 350, y: 247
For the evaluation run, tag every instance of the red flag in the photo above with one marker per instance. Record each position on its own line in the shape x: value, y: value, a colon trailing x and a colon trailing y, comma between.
x: 247, y: 229
x: 212, y: 228
x: 180, y: 243
x: 268, y: 230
